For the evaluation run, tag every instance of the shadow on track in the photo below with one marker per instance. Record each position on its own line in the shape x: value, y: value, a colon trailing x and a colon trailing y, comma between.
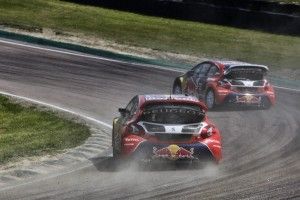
x: 233, y: 108
x: 109, y: 164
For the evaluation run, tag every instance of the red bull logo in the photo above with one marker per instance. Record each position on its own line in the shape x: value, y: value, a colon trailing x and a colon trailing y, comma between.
x: 248, y: 99
x: 173, y: 152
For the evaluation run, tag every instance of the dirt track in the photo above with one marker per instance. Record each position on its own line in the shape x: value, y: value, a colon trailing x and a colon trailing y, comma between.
x: 261, y: 148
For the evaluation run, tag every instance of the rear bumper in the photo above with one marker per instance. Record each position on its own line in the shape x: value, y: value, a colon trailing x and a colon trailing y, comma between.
x: 148, y: 151
x: 248, y: 99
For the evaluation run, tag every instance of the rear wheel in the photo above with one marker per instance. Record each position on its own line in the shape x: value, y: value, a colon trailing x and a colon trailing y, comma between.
x: 116, y: 143
x: 265, y: 104
x: 210, y: 99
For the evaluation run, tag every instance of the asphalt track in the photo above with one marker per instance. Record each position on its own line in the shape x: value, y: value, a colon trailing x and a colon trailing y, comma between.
x: 260, y: 148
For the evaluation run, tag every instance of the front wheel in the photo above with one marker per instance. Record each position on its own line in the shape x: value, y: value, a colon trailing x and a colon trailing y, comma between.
x: 177, y: 89
x: 210, y: 99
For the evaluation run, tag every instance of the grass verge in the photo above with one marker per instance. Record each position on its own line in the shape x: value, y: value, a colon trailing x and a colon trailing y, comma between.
x: 197, y: 39
x: 27, y: 131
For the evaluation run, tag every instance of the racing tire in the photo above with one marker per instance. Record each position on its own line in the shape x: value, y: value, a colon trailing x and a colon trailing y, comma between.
x: 116, y: 144
x: 210, y: 99
x: 177, y: 89
x: 265, y: 104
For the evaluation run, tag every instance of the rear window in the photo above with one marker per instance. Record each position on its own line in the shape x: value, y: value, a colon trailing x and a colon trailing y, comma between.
x: 172, y: 114
x: 246, y: 74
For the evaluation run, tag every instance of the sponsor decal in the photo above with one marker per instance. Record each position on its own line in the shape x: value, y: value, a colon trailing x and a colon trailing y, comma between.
x: 129, y: 144
x: 173, y: 152
x: 173, y: 129
x: 248, y: 99
x: 248, y: 83
x: 131, y: 140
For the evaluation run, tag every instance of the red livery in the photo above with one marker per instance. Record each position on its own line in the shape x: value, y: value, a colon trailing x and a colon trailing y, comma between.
x: 165, y: 127
x: 219, y: 82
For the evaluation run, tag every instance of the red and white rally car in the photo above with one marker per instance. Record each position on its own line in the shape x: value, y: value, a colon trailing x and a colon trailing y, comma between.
x: 165, y: 127
x: 219, y: 82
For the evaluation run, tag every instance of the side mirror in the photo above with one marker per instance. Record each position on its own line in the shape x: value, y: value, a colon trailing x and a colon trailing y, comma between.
x: 123, y: 111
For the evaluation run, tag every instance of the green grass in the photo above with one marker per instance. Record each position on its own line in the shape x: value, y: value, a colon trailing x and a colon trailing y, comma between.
x: 26, y: 131
x: 176, y: 36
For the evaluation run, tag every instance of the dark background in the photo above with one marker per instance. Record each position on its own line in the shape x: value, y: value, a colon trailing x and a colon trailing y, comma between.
x: 259, y: 15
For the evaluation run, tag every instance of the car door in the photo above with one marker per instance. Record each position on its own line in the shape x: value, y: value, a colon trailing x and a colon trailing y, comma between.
x: 120, y: 126
x: 202, y: 78
x: 123, y: 120
x: 191, y: 84
x: 213, y: 73
x: 198, y: 80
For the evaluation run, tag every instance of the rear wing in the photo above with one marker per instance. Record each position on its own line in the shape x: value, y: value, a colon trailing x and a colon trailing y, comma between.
x: 263, y: 68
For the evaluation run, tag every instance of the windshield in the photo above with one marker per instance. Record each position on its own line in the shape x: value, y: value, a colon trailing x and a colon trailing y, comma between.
x: 173, y: 114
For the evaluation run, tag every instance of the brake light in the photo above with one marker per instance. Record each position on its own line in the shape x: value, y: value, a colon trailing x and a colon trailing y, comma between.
x: 268, y: 87
x: 207, y: 131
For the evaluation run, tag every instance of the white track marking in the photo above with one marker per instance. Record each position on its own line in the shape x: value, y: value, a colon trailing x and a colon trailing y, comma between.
x: 57, y: 108
x: 112, y: 60
x: 88, y: 56
x: 284, y: 88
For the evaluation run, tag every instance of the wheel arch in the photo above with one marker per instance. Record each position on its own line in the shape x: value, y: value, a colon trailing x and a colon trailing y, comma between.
x: 178, y: 81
